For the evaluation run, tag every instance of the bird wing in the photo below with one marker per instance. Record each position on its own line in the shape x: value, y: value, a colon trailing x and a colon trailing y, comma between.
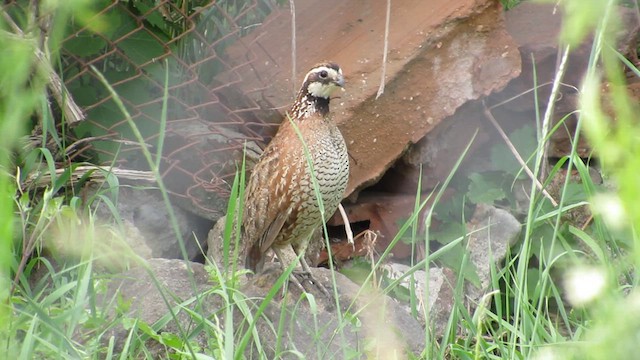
x: 269, y: 195
x: 273, y: 229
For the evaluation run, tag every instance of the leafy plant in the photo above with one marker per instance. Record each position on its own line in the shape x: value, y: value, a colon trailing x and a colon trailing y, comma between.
x: 135, y: 42
x: 537, y: 305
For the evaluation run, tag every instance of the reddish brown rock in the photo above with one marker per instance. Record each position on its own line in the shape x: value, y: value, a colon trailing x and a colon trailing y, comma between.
x: 433, y: 158
x: 536, y: 27
x: 386, y: 214
x: 441, y: 54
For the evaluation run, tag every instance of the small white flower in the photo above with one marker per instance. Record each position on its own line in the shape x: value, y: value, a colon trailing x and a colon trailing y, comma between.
x: 610, y: 208
x: 584, y: 284
x: 546, y: 353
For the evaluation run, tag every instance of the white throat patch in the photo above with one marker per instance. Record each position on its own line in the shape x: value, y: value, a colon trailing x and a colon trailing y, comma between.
x: 317, y: 88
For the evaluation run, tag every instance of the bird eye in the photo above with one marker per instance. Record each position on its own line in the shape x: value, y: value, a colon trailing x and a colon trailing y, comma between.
x: 324, y: 74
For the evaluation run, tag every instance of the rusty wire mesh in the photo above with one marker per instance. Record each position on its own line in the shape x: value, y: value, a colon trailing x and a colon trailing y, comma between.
x: 209, y: 120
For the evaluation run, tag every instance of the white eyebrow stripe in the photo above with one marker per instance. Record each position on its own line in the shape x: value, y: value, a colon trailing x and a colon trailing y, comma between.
x: 318, y: 69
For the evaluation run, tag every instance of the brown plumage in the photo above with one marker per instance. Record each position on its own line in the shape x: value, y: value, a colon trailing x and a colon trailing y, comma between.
x: 281, y: 207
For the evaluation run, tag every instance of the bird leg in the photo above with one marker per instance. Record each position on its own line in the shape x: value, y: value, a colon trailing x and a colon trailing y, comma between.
x: 306, y: 271
x: 305, y: 267
x: 292, y: 277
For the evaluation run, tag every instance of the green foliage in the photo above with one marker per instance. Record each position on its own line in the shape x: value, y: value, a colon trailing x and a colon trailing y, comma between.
x: 530, y: 311
x: 525, y: 142
x: 22, y: 94
x: 483, y: 189
x: 493, y: 187
x: 136, y: 43
x: 581, y: 17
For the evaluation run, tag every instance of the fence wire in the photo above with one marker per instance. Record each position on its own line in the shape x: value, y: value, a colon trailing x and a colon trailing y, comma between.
x: 209, y: 121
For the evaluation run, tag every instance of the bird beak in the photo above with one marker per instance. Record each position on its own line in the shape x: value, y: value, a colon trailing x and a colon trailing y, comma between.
x: 340, y: 80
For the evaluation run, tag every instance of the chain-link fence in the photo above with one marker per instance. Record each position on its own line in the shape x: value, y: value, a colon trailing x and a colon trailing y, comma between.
x: 141, y: 45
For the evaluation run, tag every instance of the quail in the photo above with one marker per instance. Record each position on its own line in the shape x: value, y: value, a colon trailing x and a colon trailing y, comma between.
x: 281, y: 207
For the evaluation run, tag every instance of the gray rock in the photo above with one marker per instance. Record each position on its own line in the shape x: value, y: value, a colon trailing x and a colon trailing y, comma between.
x: 369, y: 318
x: 148, y: 228
x: 491, y: 233
x: 215, y: 246
x: 440, y: 293
x: 310, y: 332
x: 145, y: 291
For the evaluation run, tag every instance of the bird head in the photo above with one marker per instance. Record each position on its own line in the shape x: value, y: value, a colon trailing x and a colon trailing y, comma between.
x: 322, y: 80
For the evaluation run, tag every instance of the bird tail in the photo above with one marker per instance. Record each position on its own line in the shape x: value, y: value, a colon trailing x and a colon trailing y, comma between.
x: 254, y: 260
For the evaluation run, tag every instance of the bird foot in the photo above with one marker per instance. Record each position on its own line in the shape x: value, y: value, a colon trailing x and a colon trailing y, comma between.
x: 306, y: 277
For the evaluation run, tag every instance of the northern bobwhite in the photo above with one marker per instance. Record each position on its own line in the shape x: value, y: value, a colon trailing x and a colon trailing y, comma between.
x: 281, y: 207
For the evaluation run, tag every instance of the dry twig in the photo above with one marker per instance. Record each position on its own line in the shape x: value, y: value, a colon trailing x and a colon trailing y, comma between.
x: 72, y: 112
x: 97, y: 173
x: 386, y: 49
x: 347, y: 225
x: 515, y: 153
